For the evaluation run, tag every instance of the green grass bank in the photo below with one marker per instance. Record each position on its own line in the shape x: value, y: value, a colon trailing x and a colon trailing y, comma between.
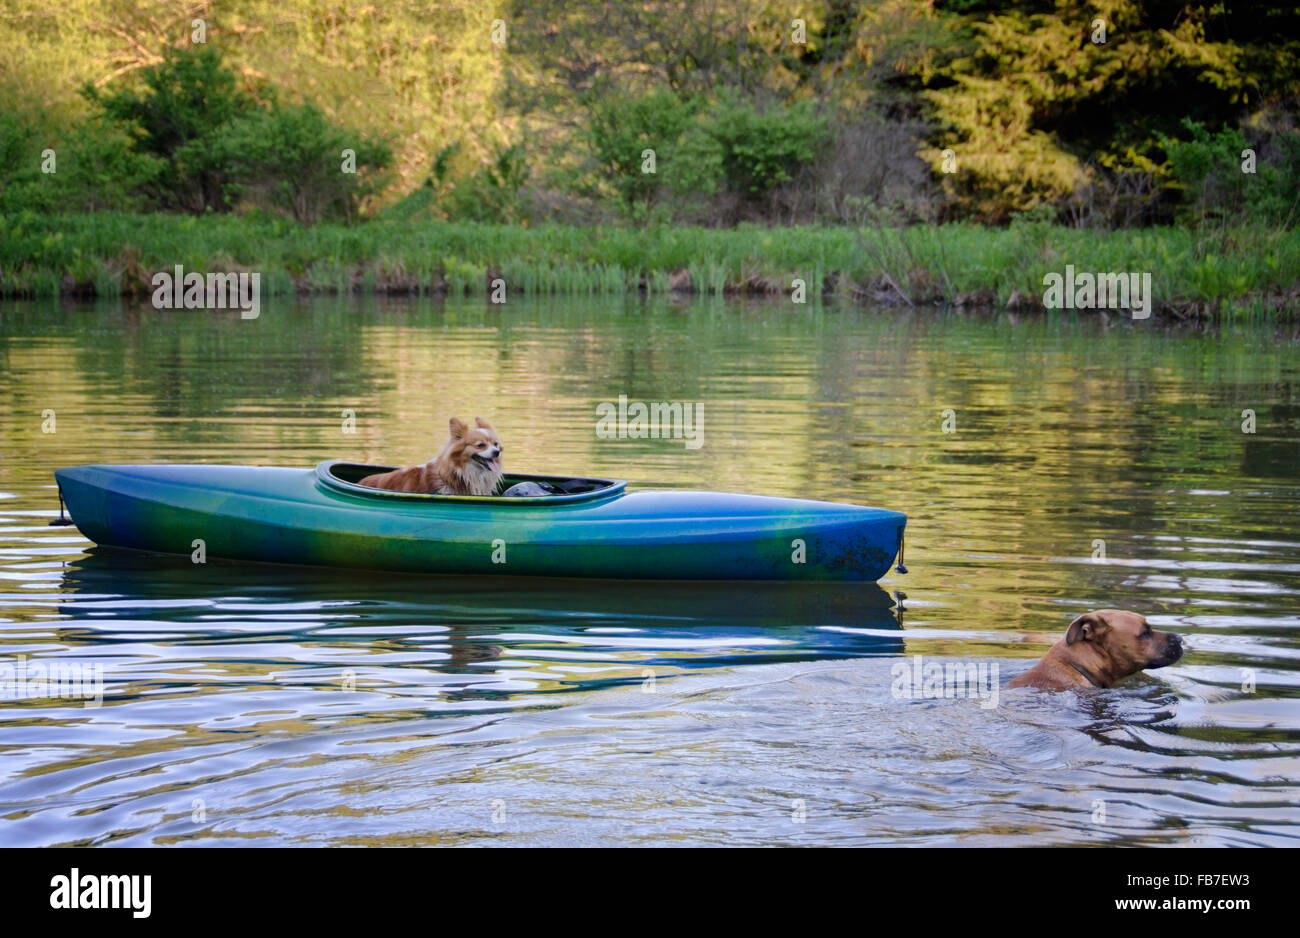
x: 1210, y: 271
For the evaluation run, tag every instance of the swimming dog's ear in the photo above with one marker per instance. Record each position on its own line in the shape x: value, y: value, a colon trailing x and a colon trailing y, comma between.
x: 1086, y: 628
x: 480, y: 422
x: 458, y: 428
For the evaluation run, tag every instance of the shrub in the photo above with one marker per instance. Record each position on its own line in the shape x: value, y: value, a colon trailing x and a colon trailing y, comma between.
x: 187, y: 103
x: 1278, y: 199
x: 1207, y: 170
x: 621, y: 126
x: 95, y: 169
x: 760, y: 150
x: 292, y: 157
x: 17, y: 151
x: 491, y: 193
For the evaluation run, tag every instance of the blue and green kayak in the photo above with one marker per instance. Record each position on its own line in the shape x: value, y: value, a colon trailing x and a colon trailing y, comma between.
x: 596, y: 528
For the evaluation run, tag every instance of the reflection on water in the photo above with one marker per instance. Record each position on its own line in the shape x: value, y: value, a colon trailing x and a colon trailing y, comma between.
x: 427, y: 642
x: 1091, y: 465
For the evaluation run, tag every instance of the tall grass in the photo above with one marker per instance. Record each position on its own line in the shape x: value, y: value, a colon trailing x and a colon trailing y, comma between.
x: 1223, y: 269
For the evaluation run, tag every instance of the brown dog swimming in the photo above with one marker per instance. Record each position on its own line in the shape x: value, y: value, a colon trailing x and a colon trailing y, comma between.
x: 1099, y: 648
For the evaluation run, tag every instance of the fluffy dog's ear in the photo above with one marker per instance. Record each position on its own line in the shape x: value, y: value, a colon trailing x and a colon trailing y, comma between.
x: 1086, y: 628
x: 458, y: 428
x: 480, y: 422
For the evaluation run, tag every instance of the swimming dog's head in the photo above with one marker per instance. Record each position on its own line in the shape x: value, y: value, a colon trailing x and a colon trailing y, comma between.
x: 1123, y: 641
x: 1100, y: 648
x: 474, y: 453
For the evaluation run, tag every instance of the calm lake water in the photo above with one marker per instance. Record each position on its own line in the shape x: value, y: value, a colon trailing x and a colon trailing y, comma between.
x: 1089, y: 465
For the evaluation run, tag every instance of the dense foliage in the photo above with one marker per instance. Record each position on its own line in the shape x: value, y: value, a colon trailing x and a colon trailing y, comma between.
x: 1107, y: 113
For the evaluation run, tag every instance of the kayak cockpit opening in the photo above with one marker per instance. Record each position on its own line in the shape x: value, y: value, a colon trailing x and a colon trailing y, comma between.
x: 344, y: 477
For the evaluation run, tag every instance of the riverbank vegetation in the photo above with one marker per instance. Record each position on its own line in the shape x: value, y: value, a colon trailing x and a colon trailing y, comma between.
x: 859, y: 144
x: 1194, y: 272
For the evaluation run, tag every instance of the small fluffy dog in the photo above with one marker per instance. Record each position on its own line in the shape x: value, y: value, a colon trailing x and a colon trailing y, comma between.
x: 469, y: 464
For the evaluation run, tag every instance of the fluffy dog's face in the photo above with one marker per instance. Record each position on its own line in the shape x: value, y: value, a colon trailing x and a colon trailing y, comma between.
x: 1125, y: 640
x: 474, y: 450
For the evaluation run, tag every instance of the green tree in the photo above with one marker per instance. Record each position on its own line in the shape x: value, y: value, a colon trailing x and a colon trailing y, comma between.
x: 95, y: 169
x: 1207, y: 170
x: 187, y: 103
x: 1031, y: 95
x: 634, y: 140
x: 295, y: 159
x: 763, y: 148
